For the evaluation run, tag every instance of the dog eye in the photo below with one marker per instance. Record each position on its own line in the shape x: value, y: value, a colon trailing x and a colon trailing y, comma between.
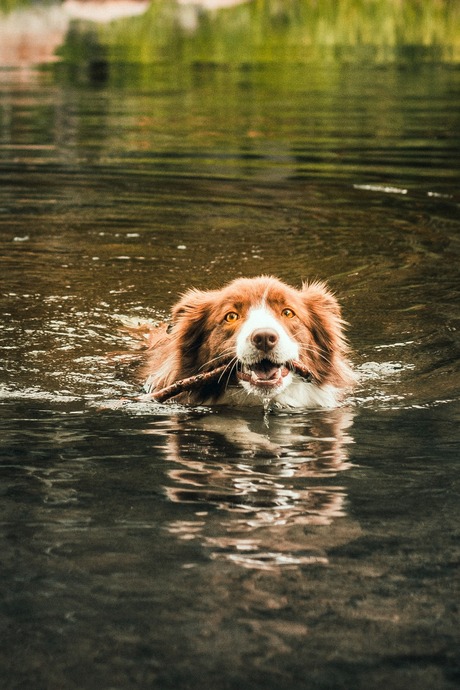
x: 288, y: 313
x: 231, y: 317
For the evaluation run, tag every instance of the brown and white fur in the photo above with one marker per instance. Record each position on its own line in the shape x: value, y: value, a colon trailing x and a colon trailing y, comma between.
x: 258, y: 327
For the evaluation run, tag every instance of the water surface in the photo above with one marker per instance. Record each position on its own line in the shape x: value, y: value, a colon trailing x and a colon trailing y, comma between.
x: 160, y: 546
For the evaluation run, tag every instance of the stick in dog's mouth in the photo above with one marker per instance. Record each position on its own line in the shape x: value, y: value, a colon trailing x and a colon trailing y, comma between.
x: 193, y: 382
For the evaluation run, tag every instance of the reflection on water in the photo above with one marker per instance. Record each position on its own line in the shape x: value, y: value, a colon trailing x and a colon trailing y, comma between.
x: 148, y: 545
x: 274, y: 478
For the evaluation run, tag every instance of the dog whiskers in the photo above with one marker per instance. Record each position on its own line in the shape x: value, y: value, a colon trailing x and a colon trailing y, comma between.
x: 307, y: 349
x: 217, y: 359
x: 229, y: 368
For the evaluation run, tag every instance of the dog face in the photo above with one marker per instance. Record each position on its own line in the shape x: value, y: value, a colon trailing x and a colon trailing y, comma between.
x: 264, y: 349
x: 259, y: 326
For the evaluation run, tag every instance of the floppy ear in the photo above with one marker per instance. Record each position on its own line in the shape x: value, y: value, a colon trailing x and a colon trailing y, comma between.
x: 329, y: 342
x: 190, y: 323
x: 175, y: 348
x: 189, y: 304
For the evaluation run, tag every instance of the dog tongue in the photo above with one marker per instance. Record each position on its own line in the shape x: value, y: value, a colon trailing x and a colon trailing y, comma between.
x: 265, y: 370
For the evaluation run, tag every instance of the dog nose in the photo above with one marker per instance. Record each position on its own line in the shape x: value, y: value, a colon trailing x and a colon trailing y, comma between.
x: 264, y: 339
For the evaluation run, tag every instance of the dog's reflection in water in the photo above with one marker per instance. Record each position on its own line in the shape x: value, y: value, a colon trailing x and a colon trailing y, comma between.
x: 277, y: 489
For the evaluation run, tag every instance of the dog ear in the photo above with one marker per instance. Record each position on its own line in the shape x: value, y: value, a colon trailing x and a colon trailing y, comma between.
x: 327, y: 331
x: 175, y: 346
x: 191, y: 305
x: 189, y: 326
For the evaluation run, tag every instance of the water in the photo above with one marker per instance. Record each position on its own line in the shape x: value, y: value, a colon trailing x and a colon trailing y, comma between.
x: 156, y: 546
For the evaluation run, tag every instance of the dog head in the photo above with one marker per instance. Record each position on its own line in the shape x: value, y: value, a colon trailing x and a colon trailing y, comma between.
x: 260, y: 326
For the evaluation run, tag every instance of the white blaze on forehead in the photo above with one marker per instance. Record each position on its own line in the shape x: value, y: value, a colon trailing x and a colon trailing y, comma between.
x: 261, y: 317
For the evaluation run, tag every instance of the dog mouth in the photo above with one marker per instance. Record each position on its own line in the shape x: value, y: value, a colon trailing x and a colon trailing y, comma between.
x: 264, y: 374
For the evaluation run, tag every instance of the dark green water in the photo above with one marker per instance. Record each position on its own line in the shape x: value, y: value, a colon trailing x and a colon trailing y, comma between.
x: 155, y: 546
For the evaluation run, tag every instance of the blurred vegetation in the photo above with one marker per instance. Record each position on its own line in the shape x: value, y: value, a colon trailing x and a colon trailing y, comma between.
x: 9, y: 5
x: 280, y: 30
x: 275, y: 30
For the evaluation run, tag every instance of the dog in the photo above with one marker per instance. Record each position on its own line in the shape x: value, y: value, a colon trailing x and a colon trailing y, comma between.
x: 257, y: 327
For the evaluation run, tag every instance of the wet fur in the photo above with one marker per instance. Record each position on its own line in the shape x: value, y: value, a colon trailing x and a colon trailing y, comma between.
x: 199, y: 339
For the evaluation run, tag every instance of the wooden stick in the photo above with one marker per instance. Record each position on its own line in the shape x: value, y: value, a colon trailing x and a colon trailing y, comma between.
x: 184, y: 385
x: 192, y: 382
